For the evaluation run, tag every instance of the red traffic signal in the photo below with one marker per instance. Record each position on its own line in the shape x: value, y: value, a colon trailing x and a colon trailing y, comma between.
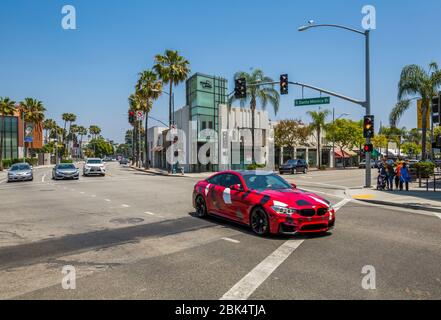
x: 368, y: 148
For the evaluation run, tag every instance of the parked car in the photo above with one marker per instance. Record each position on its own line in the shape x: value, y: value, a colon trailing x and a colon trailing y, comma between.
x: 20, y: 172
x: 124, y: 161
x: 294, y: 166
x: 265, y: 202
x: 94, y: 166
x: 362, y: 164
x: 65, y: 171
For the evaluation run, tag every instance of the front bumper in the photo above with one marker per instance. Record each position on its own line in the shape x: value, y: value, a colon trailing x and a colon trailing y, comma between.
x: 94, y: 171
x: 303, y: 225
x: 60, y: 175
x: 20, y: 178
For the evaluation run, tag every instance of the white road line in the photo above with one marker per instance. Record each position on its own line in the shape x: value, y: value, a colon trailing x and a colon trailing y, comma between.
x: 325, y: 193
x: 342, y: 203
x: 43, y: 177
x: 82, y: 192
x: 107, y: 200
x: 149, y: 213
x: 248, y: 284
x: 245, y: 287
x: 231, y: 240
x: 125, y: 206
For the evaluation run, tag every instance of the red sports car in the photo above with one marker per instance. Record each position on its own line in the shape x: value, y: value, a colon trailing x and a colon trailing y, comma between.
x: 264, y: 201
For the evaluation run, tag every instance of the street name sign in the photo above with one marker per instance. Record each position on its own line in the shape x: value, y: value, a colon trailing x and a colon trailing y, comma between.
x: 312, y: 101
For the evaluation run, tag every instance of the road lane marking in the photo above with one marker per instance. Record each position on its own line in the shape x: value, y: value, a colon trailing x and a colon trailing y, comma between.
x: 149, y: 213
x: 231, y: 240
x: 107, y: 200
x: 125, y: 206
x: 252, y: 281
x: 245, y: 287
x: 363, y: 196
x: 43, y: 177
x: 82, y: 192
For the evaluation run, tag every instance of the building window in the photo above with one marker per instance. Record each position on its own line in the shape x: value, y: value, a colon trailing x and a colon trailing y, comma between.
x: 10, y: 132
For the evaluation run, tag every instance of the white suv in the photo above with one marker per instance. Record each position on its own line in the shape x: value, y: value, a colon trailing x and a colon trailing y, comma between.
x: 94, y: 166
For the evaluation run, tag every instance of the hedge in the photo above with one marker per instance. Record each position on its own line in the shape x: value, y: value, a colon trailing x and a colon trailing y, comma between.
x: 255, y: 166
x: 425, y: 169
x: 7, y: 163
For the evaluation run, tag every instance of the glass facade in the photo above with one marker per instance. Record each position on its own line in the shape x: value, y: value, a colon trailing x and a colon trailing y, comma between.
x: 10, y: 134
x: 204, y: 94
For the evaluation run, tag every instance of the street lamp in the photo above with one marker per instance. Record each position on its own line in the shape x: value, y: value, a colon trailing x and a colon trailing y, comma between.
x: 367, y: 103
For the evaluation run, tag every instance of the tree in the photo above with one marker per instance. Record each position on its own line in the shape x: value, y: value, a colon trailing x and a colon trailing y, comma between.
x: 380, y: 141
x: 7, y: 108
x: 135, y: 105
x: 291, y: 133
x: 48, y: 126
x: 415, y: 82
x: 100, y: 147
x: 94, y: 131
x: 68, y: 118
x: 32, y: 111
x: 149, y: 89
x: 172, y: 70
x: 82, y: 131
x: 264, y: 94
x: 411, y: 149
x: 347, y: 134
x: 318, y: 124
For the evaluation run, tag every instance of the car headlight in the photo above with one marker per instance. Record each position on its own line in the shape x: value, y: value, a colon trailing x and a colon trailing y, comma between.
x: 284, y: 210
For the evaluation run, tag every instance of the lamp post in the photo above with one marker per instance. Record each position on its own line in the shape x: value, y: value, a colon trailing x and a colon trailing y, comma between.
x: 367, y: 103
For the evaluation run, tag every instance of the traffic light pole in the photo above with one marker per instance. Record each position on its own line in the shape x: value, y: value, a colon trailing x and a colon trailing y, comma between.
x: 368, y: 182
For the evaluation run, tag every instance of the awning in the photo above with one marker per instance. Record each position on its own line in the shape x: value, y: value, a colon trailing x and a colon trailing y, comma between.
x: 339, y: 154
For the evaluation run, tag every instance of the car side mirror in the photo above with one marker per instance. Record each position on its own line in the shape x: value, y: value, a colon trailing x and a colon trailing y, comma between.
x: 236, y: 187
x: 293, y: 185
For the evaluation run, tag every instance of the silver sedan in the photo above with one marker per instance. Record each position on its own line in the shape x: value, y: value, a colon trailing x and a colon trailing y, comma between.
x: 65, y: 171
x: 20, y: 172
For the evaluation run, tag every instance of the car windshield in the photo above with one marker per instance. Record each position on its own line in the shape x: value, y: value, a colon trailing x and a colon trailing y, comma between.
x: 20, y: 167
x: 95, y: 161
x: 66, y: 166
x: 265, y: 182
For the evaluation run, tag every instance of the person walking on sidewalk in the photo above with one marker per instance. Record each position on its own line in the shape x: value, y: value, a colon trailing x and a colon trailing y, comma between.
x: 390, y: 176
x: 398, y: 174
x: 404, y: 177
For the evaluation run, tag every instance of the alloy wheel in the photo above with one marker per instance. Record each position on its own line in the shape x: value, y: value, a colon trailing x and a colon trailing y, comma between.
x: 201, y: 208
x: 259, y: 222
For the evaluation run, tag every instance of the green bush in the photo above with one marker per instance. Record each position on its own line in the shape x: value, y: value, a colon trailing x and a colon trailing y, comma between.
x: 66, y: 161
x: 255, y: 166
x: 425, y: 169
x: 7, y: 163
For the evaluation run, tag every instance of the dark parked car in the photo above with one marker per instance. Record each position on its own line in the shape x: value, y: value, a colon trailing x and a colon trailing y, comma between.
x: 294, y: 166
x: 124, y: 161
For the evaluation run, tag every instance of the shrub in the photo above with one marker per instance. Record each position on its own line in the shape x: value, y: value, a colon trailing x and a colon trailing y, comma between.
x: 66, y: 161
x: 425, y: 169
x: 255, y: 166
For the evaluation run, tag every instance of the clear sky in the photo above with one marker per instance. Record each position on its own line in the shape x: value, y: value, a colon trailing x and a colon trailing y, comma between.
x: 92, y: 70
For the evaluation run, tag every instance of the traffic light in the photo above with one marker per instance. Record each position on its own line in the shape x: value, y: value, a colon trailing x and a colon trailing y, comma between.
x: 131, y: 117
x: 368, y: 148
x: 369, y: 127
x: 284, y: 84
x: 240, y: 88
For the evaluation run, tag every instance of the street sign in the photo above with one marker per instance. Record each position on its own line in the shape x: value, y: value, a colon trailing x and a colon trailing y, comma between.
x: 312, y: 101
x: 140, y: 116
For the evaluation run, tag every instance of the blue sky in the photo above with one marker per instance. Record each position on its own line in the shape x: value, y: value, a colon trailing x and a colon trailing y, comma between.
x: 92, y: 70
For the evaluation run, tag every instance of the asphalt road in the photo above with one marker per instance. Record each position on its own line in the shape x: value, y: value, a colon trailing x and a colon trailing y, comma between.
x: 132, y: 235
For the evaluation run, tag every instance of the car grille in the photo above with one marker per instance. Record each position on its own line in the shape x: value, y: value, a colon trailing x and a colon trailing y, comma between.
x: 312, y: 227
x: 307, y: 212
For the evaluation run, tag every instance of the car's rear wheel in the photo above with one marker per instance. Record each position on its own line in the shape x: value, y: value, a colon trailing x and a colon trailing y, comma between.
x: 260, y: 222
x: 201, y: 207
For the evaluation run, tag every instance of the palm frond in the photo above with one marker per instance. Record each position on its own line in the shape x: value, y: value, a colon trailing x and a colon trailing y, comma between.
x: 397, y: 112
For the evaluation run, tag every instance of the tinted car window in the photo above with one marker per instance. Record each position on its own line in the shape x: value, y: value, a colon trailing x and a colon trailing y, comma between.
x: 94, y: 161
x: 215, y: 180
x: 266, y: 182
x: 66, y: 166
x: 20, y: 167
x: 229, y: 179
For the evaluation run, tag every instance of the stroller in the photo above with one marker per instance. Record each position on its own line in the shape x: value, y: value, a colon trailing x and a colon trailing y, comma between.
x: 382, y: 179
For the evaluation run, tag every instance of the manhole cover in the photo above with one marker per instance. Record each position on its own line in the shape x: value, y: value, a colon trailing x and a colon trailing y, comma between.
x: 127, y: 220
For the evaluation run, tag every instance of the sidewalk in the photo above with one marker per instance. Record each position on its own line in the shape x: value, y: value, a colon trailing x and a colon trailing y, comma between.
x: 416, y: 199
x: 165, y: 173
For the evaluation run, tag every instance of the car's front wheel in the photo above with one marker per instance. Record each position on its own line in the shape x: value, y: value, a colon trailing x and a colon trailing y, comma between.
x: 201, y: 207
x: 259, y: 222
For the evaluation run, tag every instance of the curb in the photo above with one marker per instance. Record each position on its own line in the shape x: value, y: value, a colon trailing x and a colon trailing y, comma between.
x: 400, y: 205
x: 156, y: 172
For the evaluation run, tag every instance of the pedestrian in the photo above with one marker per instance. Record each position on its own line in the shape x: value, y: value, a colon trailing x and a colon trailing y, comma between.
x: 390, y: 176
x: 398, y: 174
x: 404, y: 177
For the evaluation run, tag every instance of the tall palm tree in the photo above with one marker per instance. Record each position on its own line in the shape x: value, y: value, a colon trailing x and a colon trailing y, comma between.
x: 48, y: 126
x: 149, y: 89
x: 172, y: 69
x: 265, y: 94
x: 68, y: 118
x: 135, y: 104
x: 33, y: 112
x: 7, y: 108
x: 82, y: 131
x: 415, y: 82
x: 318, y: 124
x: 94, y: 131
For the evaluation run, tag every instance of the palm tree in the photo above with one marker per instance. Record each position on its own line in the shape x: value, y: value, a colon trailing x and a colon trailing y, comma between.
x: 7, y: 108
x: 149, y: 89
x: 415, y: 82
x: 33, y: 112
x: 82, y: 131
x: 135, y: 104
x: 172, y: 69
x: 67, y: 118
x: 318, y: 123
x: 94, y: 131
x: 48, y: 126
x: 263, y: 93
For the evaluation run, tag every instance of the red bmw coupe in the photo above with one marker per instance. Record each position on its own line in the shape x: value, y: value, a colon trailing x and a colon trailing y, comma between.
x: 264, y: 201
